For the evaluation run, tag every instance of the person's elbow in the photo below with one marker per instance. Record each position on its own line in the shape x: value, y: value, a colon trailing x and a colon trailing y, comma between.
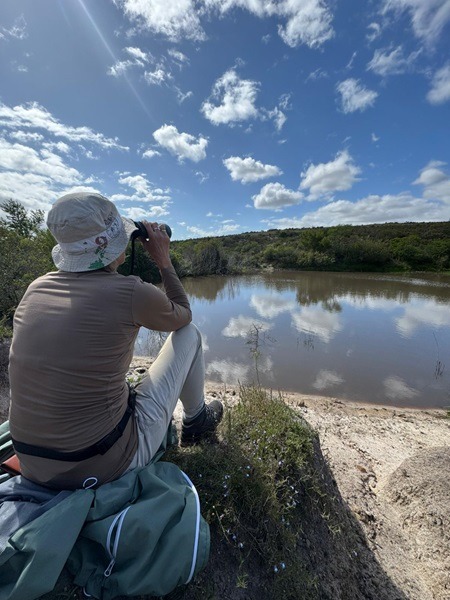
x: 185, y: 319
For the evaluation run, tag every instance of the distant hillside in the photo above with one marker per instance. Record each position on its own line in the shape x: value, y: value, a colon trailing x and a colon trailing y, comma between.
x: 385, y: 247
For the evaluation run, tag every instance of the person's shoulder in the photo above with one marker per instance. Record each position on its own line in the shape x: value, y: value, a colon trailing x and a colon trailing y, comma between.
x: 50, y: 276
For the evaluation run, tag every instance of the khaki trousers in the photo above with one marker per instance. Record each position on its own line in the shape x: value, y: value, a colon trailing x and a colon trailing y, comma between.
x: 178, y: 373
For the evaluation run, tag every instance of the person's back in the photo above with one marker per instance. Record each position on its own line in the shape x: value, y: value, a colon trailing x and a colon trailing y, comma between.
x: 73, y: 342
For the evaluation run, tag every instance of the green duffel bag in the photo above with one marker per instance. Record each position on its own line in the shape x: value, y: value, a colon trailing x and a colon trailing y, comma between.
x: 143, y: 535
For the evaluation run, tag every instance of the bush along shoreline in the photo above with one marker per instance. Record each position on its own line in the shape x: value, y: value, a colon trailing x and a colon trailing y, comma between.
x: 391, y: 247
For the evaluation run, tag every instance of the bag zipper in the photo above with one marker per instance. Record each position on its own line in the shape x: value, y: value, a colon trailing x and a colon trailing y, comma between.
x: 111, y: 547
x: 197, y: 527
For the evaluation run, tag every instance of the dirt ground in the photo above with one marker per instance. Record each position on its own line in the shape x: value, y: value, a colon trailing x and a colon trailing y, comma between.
x: 392, y: 467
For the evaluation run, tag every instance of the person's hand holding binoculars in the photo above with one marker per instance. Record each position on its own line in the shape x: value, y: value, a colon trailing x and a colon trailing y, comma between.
x: 157, y: 244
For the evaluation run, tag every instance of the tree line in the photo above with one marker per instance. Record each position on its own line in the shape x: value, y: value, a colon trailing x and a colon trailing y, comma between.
x: 398, y: 247
x: 25, y: 252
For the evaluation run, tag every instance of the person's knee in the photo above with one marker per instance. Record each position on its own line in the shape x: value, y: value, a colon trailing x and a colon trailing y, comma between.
x: 190, y: 331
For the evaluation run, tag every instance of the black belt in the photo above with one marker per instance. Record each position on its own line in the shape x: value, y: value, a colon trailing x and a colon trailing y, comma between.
x: 100, y: 447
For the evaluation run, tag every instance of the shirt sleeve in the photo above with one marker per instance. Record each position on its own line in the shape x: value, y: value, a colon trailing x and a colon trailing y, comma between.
x: 159, y: 310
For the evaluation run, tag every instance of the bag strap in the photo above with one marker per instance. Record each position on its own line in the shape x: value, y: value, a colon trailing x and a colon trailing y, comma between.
x: 100, y: 447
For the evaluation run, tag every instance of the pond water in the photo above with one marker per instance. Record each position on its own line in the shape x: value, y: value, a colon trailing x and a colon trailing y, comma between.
x: 374, y: 338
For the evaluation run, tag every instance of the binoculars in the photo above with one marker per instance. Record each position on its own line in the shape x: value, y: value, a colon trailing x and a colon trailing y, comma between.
x: 141, y: 230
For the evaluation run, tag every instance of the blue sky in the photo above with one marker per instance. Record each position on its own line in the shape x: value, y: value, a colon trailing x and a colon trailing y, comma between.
x: 226, y: 116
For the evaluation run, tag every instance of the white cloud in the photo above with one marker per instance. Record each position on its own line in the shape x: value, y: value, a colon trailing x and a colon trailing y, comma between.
x: 19, y: 158
x: 317, y: 74
x: 236, y: 99
x: 274, y: 196
x: 181, y: 96
x: 150, y: 153
x: 178, y: 56
x: 428, y: 17
x: 144, y: 191
x: 120, y: 67
x: 181, y: 145
x: 440, y: 86
x: 355, y: 96
x: 16, y: 31
x: 326, y: 379
x: 26, y: 136
x: 34, y: 116
x: 309, y: 22
x: 374, y: 31
x: 435, y: 181
x: 392, y: 62
x: 36, y: 177
x: 61, y: 147
x: 226, y: 229
x: 138, y: 54
x: 278, y: 116
x: 242, y: 326
x: 305, y: 21
x: 137, y: 213
x: 399, y: 208
x: 247, y: 170
x: 374, y: 138
x: 32, y: 190
x: 158, y: 76
x: 139, y: 58
x: 202, y: 176
x: 175, y: 19
x: 325, y: 178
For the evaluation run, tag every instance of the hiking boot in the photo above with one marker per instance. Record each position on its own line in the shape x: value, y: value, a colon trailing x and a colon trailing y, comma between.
x: 203, y: 425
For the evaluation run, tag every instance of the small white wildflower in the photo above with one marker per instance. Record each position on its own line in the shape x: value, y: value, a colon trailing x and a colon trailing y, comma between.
x: 275, y: 569
x: 241, y: 545
x: 283, y: 565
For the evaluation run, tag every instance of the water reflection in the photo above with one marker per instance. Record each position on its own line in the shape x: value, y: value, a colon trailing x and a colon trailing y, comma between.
x: 228, y: 371
x: 270, y: 306
x: 399, y: 390
x: 317, y: 321
x: 242, y: 326
x: 366, y: 337
x: 423, y: 312
x: 327, y: 379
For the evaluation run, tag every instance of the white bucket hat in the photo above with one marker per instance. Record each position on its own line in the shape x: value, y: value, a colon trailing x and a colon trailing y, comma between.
x: 89, y: 230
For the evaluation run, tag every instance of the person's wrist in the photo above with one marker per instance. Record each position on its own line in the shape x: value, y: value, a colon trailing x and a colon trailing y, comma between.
x: 164, y: 264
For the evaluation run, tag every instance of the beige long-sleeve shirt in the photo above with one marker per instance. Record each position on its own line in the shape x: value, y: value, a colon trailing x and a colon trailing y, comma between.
x: 73, y: 342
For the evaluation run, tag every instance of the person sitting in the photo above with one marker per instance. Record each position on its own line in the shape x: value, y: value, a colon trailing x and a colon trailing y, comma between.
x: 73, y: 420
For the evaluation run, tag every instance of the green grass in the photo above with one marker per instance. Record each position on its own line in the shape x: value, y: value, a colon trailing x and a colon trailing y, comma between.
x: 253, y: 488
